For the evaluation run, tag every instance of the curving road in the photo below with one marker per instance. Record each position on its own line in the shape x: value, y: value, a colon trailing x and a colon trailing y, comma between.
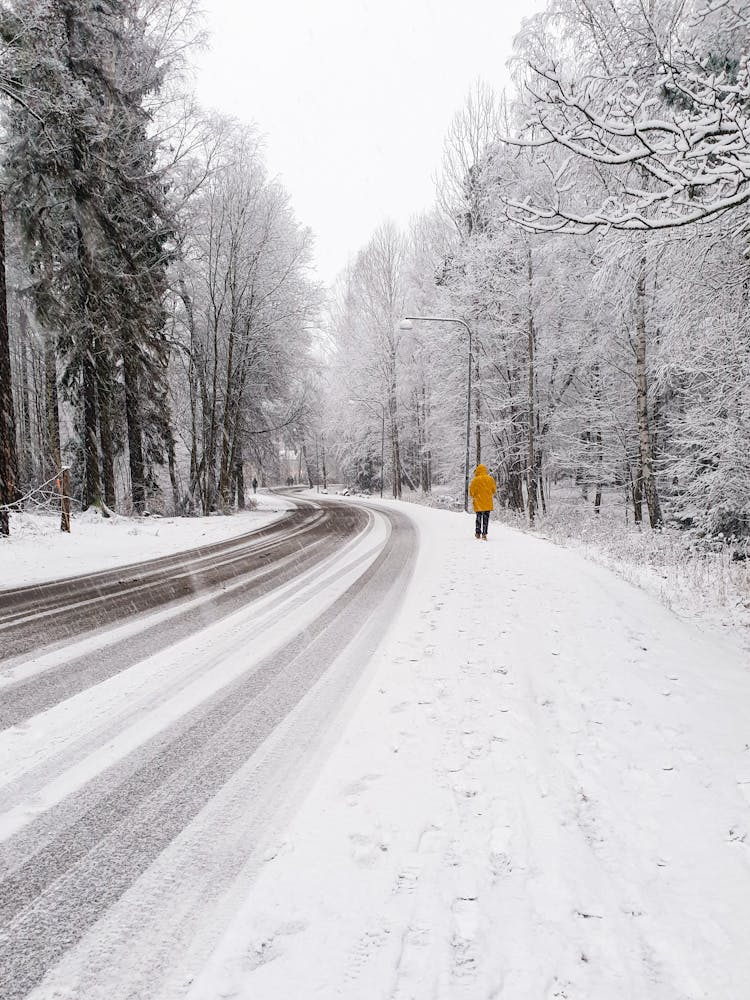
x: 151, y: 755
x: 64, y: 608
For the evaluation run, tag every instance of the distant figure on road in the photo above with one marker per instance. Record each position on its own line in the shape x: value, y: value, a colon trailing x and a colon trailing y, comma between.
x: 482, y: 489
x: 255, y: 484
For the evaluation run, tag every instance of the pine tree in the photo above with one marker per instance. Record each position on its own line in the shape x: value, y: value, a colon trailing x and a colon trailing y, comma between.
x: 91, y: 205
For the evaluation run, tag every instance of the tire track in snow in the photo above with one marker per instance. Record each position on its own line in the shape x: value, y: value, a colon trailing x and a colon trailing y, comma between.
x: 253, y: 568
x: 59, y: 610
x: 50, y: 903
x: 48, y: 750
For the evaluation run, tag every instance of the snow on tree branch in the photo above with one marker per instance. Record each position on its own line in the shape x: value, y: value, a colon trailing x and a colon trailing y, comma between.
x: 665, y: 120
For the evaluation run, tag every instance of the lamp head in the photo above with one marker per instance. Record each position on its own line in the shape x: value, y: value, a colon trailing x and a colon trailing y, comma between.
x: 406, y: 324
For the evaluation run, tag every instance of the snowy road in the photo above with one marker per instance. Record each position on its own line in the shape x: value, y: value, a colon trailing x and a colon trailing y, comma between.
x: 146, y: 766
x: 61, y: 609
x: 544, y: 794
x: 504, y: 775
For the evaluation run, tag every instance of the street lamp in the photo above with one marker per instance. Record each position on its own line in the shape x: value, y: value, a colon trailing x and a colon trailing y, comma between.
x: 406, y: 324
x: 369, y: 403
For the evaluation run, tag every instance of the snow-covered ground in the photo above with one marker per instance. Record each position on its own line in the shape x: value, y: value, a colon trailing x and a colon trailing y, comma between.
x: 544, y: 792
x: 37, y: 550
x: 698, y: 582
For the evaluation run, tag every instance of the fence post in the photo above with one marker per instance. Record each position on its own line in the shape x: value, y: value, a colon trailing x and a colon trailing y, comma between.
x: 65, y: 499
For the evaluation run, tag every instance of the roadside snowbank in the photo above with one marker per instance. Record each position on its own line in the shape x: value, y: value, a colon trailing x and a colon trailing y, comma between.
x: 543, y: 792
x: 37, y: 550
x: 697, y: 583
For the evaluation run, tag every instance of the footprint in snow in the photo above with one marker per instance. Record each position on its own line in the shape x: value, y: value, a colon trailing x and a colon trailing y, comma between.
x: 265, y: 949
x: 464, y: 951
x: 365, y: 949
x: 277, y: 850
x: 430, y: 838
x: 408, y: 877
x: 474, y: 745
x: 500, y: 856
x: 366, y: 850
x: 559, y: 990
x: 260, y: 952
x: 467, y: 787
x: 357, y: 788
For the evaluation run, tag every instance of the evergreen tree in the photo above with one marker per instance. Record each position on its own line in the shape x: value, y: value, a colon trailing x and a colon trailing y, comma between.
x: 91, y: 204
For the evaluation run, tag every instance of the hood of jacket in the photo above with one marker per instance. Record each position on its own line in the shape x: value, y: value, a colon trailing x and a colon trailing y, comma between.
x: 481, y: 470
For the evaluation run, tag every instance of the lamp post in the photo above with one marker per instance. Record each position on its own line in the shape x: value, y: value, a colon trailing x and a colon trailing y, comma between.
x: 370, y: 404
x: 406, y: 324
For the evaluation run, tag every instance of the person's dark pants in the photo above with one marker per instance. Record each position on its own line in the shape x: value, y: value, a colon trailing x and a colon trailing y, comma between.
x: 483, y: 520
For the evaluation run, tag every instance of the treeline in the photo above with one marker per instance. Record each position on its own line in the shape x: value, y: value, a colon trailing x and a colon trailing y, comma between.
x: 591, y: 229
x: 159, y: 299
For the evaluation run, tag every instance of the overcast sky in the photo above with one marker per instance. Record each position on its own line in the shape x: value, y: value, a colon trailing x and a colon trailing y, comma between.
x: 355, y: 98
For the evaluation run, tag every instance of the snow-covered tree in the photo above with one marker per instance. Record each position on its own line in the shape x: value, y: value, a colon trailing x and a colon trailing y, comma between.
x: 89, y: 193
x: 653, y: 95
x: 244, y: 306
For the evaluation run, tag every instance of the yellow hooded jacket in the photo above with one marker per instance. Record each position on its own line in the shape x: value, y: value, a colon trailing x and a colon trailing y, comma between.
x: 482, y: 488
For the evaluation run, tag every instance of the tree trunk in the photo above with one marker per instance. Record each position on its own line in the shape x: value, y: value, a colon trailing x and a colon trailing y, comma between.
x: 105, y: 435
x: 52, y: 405
x: 531, y: 458
x: 194, y: 463
x: 173, y: 471
x: 637, y: 490
x: 8, y: 453
x: 599, y: 442
x: 541, y: 437
x: 644, y: 434
x: 307, y: 465
x: 225, y: 468
x: 599, y: 469
x: 393, y: 415
x: 27, y: 472
x: 395, y: 460
x: 239, y: 475
x: 40, y: 419
x: 92, y: 488
x: 419, y: 443
x: 135, y: 435
x: 209, y: 434
x: 426, y: 454
x: 65, y: 500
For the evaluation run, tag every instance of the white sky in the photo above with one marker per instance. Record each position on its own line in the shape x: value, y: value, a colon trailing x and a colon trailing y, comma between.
x: 355, y: 98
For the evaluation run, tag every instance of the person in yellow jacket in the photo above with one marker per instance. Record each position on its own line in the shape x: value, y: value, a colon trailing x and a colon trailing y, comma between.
x: 482, y: 489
